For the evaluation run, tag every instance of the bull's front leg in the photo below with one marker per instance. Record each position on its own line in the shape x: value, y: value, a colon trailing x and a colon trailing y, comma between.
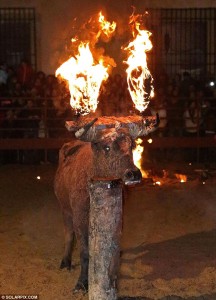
x: 69, y: 240
x: 81, y: 228
x: 82, y: 283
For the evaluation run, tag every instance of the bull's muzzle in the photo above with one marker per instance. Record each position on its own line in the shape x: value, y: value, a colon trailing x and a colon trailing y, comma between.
x: 132, y: 177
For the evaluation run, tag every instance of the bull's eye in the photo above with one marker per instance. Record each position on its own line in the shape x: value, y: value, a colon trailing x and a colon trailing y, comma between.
x: 107, y: 148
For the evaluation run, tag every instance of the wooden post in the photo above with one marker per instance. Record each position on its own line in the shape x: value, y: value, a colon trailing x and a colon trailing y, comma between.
x: 105, y: 227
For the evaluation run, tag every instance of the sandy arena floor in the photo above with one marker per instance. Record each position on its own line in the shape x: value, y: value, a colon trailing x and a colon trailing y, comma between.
x: 168, y: 242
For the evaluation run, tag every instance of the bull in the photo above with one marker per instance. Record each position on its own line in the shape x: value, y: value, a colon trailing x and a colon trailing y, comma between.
x: 105, y: 153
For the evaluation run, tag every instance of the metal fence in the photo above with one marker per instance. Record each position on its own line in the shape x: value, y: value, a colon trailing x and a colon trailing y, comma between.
x: 18, y: 36
x: 183, y: 41
x: 41, y: 128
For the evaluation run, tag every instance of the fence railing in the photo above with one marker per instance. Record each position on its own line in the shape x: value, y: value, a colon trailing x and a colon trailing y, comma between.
x: 42, y: 127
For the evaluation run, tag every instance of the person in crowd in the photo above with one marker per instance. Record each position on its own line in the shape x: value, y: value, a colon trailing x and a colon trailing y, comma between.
x: 192, y: 123
x: 209, y: 129
x: 8, y: 132
x: 58, y: 113
x: 17, y: 90
x: 49, y: 84
x: 29, y: 118
x: 3, y: 79
x: 192, y: 119
x: 177, y: 81
x: 174, y: 114
x: 159, y: 106
x: 25, y: 74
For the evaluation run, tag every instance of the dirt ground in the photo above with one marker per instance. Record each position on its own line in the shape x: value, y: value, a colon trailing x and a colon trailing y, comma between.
x: 168, y: 240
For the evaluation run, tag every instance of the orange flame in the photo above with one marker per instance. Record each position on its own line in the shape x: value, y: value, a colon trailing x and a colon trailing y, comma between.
x: 137, y: 156
x: 182, y: 178
x: 139, y: 77
x: 107, y: 27
x: 84, y: 77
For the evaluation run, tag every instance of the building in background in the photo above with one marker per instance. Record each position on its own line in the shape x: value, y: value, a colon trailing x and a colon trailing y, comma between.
x: 40, y: 31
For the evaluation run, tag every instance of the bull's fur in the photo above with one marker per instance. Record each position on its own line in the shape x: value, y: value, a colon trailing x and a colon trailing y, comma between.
x: 110, y: 155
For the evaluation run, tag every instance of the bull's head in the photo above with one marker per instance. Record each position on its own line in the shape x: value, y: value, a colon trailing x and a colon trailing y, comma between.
x: 112, y: 141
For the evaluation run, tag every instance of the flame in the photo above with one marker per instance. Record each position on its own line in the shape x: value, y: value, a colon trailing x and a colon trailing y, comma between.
x: 73, y: 40
x: 139, y: 77
x: 84, y: 77
x: 182, y: 178
x: 157, y: 183
x: 107, y: 27
x: 137, y: 156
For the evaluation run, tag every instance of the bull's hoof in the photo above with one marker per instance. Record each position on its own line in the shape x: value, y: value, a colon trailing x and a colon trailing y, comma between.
x: 81, y: 287
x: 66, y: 263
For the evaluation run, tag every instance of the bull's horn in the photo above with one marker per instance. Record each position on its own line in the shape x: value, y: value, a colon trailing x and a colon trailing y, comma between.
x: 148, y: 125
x: 84, y: 133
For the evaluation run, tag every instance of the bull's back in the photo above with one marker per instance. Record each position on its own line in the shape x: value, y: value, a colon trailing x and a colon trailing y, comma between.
x: 73, y: 173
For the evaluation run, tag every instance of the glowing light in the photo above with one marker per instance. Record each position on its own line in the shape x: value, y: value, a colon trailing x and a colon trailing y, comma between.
x: 182, y: 178
x: 84, y: 77
x: 157, y: 183
x: 137, y: 156
x: 73, y: 40
x: 38, y: 177
x: 150, y: 141
x: 107, y: 27
x: 139, y: 78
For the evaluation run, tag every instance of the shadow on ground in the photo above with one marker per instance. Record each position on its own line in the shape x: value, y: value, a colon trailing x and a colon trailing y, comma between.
x: 182, y: 257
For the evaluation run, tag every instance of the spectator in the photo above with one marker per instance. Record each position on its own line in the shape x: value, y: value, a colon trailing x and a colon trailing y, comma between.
x: 3, y: 79
x: 174, y: 114
x: 8, y: 125
x: 192, y: 120
x: 30, y: 117
x: 59, y: 112
x: 25, y: 74
x: 185, y: 84
x: 3, y: 74
x: 159, y: 107
x: 209, y: 131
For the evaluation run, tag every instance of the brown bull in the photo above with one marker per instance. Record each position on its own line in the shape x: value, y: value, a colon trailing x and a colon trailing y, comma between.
x: 109, y: 155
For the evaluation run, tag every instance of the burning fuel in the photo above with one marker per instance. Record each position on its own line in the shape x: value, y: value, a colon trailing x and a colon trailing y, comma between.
x: 139, y: 78
x: 182, y: 178
x: 84, y: 77
x: 85, y: 71
x: 137, y: 156
x: 107, y: 28
x: 88, y: 66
